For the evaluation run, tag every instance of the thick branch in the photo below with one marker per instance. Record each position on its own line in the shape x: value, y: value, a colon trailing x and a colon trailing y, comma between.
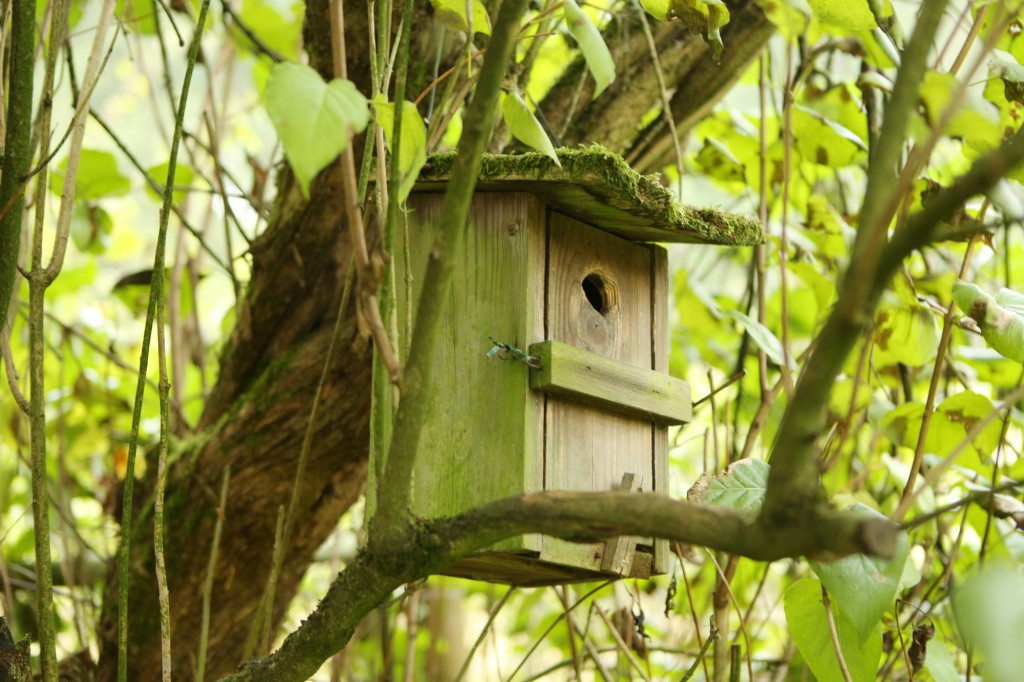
x: 843, y: 327
x: 373, y: 576
x: 694, y: 80
x: 17, y: 146
x: 795, y: 463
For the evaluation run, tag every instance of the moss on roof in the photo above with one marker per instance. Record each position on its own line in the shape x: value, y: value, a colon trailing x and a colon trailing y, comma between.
x: 598, y: 187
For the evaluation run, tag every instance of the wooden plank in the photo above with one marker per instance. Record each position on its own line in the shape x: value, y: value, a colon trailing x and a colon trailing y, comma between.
x: 599, y: 188
x: 587, y: 448
x: 659, y: 362
x: 618, y: 552
x: 483, y: 433
x: 595, y: 380
x: 588, y: 557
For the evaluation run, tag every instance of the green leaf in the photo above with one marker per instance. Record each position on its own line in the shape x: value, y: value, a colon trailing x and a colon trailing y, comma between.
x: 315, y: 120
x: 989, y: 612
x: 658, y: 9
x: 763, y: 337
x: 864, y: 586
x: 706, y: 17
x: 905, y: 333
x: 98, y: 177
x: 413, y: 152
x: 184, y: 176
x: 939, y: 663
x: 955, y: 418
x: 852, y: 14
x: 952, y: 421
x: 823, y: 141
x: 524, y: 126
x: 976, y: 119
x: 791, y: 17
x: 1002, y: 328
x: 452, y: 13
x: 595, y: 52
x: 805, y: 615
x: 281, y: 32
x: 90, y: 228
x: 741, y: 487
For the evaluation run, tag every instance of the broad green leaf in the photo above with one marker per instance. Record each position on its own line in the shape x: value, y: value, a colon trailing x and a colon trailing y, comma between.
x: 955, y: 418
x: 1011, y: 300
x: 524, y: 126
x: 791, y: 17
x: 315, y: 120
x: 827, y: 229
x: 805, y: 615
x: 939, y: 663
x: 952, y: 421
x: 905, y: 333
x: 1002, y: 328
x: 823, y: 141
x: 717, y: 161
x: 595, y: 52
x: 864, y: 586
x: 98, y: 177
x: 413, y: 152
x: 279, y: 31
x: 975, y: 120
x: 741, y: 487
x: 990, y: 615
x: 452, y: 13
x: 707, y: 17
x: 851, y: 14
x: 90, y: 228
x: 658, y: 9
x: 762, y: 336
x: 184, y: 176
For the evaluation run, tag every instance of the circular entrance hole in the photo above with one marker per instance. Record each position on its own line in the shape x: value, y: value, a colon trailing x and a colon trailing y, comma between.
x: 600, y: 292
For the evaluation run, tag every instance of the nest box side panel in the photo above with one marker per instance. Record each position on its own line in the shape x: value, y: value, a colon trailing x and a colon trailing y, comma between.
x: 660, y: 349
x: 598, y: 300
x: 483, y: 435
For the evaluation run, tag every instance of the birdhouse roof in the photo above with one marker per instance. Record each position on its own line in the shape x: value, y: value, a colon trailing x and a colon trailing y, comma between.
x: 599, y: 187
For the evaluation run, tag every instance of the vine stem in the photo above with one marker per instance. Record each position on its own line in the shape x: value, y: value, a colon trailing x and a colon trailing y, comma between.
x: 155, y: 293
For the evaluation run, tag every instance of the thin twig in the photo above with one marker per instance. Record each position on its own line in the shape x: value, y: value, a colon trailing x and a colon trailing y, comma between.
x: 693, y: 612
x: 933, y: 386
x: 163, y: 594
x: 702, y: 656
x: 156, y: 291
x: 933, y: 474
x: 483, y: 632
x: 12, y: 377
x: 666, y: 99
x: 834, y: 634
x: 265, y: 612
x: 555, y: 622
x: 623, y: 649
x: 211, y: 566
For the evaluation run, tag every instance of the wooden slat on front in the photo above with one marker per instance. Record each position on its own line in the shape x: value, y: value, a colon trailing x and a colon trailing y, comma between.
x: 588, y: 448
x: 594, y: 380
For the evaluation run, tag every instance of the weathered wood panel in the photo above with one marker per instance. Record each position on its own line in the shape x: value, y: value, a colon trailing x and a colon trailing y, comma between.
x: 595, y: 380
x: 659, y: 361
x: 588, y: 449
x: 483, y: 434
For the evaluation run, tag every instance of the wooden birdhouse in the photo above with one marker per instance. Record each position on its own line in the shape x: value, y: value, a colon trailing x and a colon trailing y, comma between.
x: 552, y: 369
